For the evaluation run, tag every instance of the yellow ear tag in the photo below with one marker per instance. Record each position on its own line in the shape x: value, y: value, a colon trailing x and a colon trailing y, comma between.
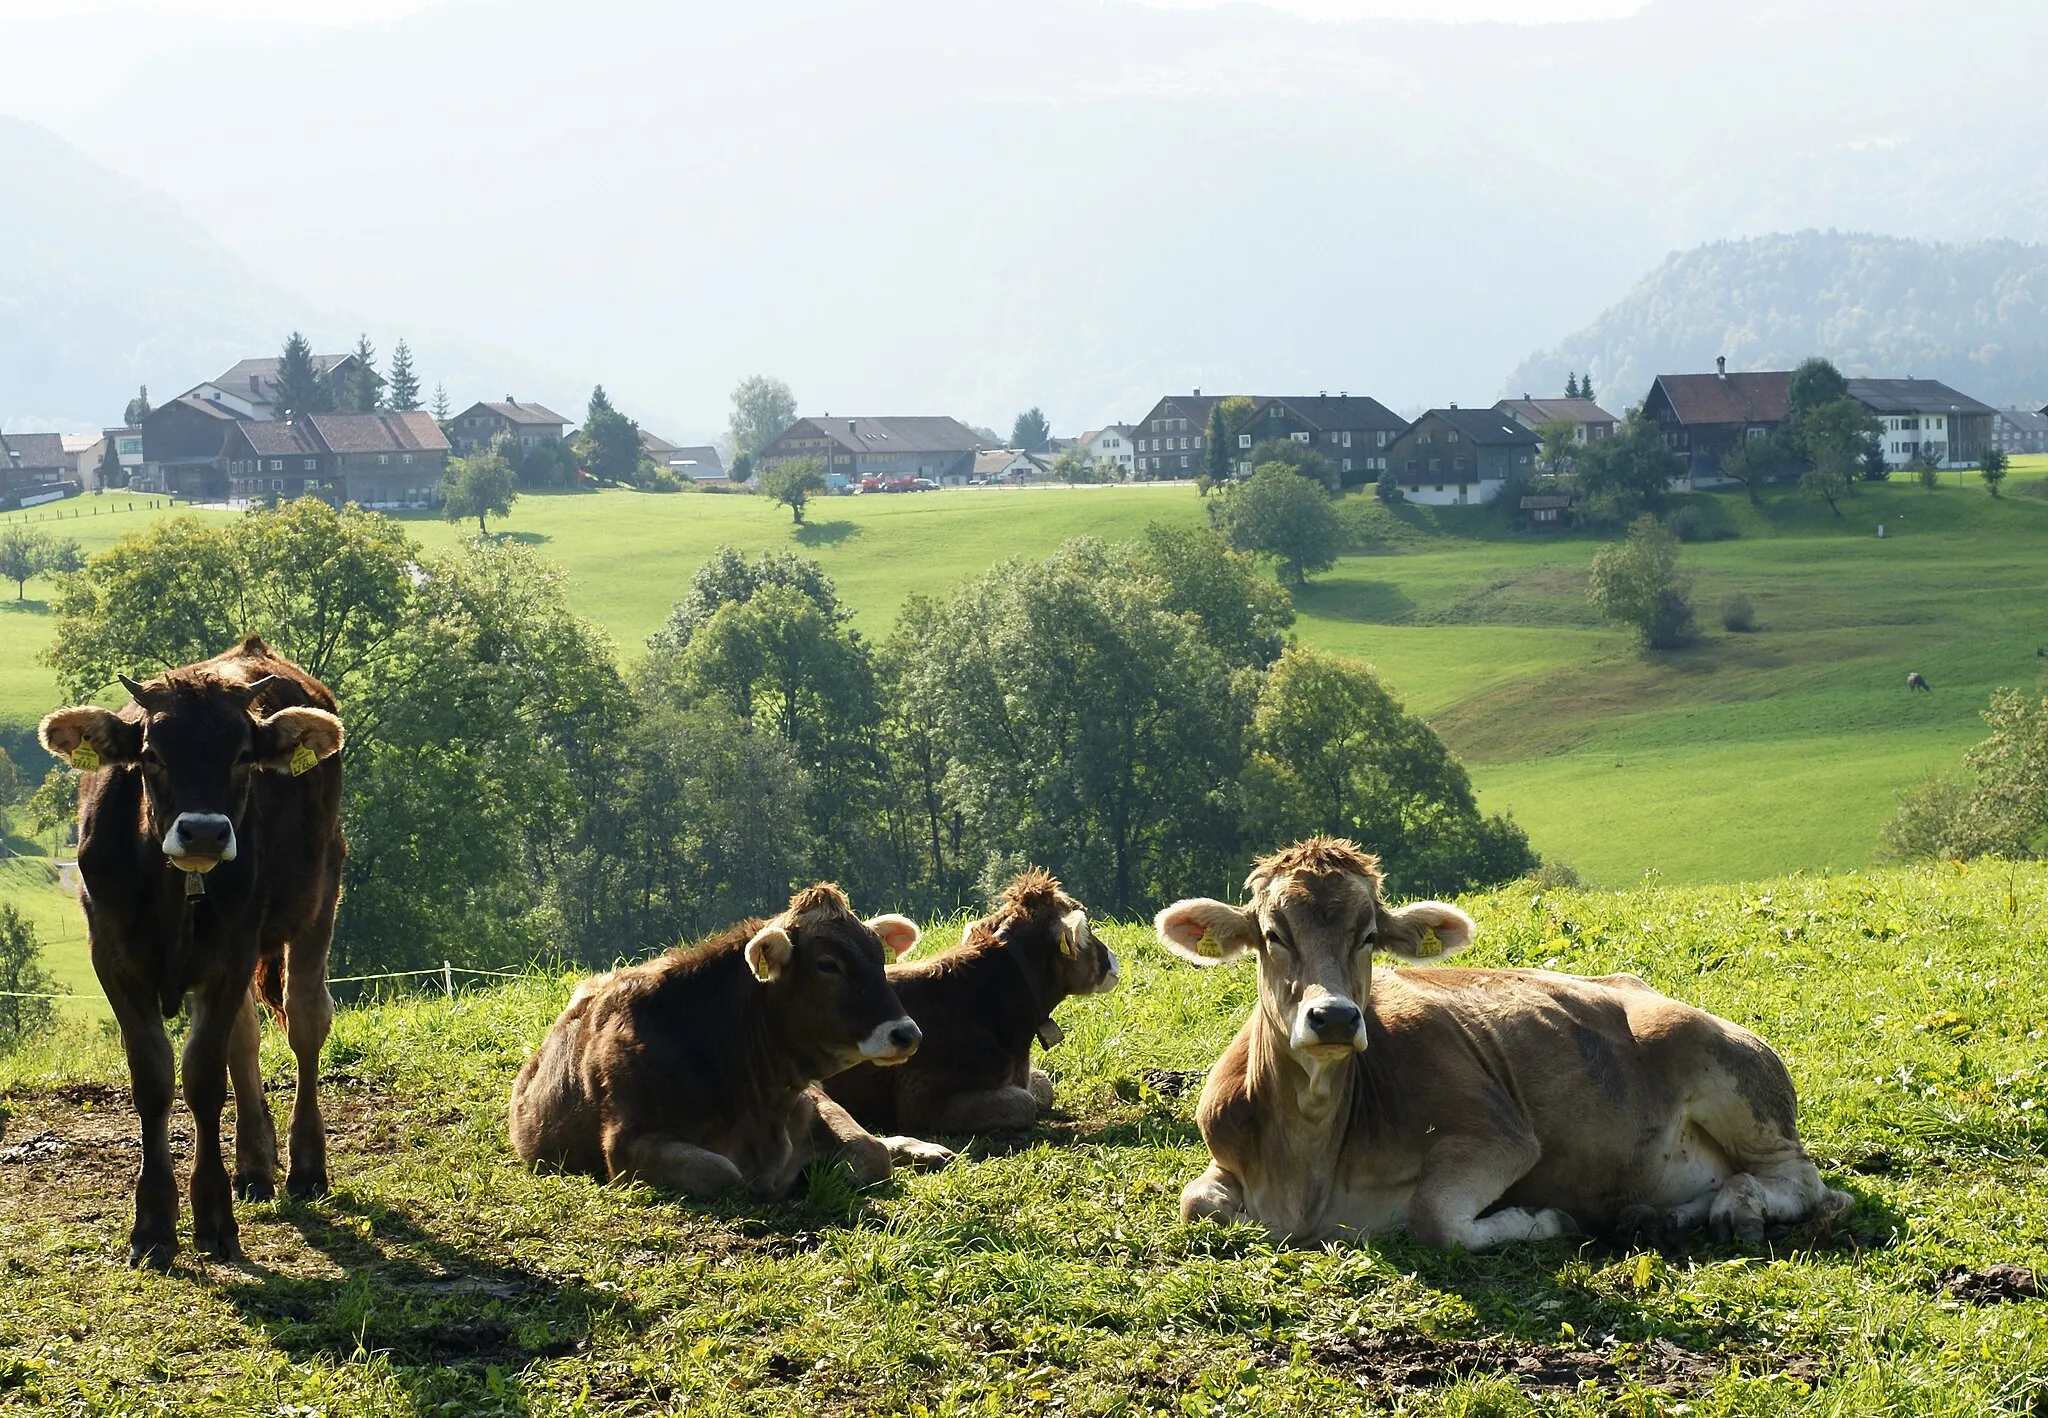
x: 1430, y: 944
x: 303, y: 758
x: 85, y: 758
x: 1208, y: 947
x: 1067, y: 946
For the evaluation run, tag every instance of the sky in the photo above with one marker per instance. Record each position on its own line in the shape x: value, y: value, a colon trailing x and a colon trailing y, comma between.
x: 325, y: 12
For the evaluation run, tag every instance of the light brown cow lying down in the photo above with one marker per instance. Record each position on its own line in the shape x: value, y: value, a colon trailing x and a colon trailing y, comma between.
x: 1471, y: 1106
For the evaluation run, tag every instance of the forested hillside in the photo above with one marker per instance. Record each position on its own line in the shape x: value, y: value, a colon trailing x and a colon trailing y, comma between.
x: 1974, y: 315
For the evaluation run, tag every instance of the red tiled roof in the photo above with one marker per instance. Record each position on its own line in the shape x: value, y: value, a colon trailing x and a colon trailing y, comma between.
x: 1761, y: 397
x: 380, y: 433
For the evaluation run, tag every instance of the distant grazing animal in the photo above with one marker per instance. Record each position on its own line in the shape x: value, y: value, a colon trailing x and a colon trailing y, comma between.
x: 210, y: 846
x: 697, y: 1070
x: 1471, y: 1106
x: 1915, y: 680
x: 980, y: 1005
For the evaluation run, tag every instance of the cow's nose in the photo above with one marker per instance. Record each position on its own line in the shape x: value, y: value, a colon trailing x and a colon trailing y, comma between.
x: 1334, y: 1021
x: 906, y: 1036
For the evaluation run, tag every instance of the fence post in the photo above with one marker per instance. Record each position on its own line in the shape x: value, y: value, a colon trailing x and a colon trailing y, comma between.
x: 448, y: 978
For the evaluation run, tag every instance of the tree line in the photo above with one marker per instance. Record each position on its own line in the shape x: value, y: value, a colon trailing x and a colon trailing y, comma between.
x: 1132, y: 715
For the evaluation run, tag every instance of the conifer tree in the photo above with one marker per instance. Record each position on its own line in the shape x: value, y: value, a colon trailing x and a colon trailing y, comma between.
x: 367, y: 382
x: 442, y: 410
x: 1571, y: 385
x: 1586, y: 386
x: 138, y: 408
x: 403, y: 392
x: 301, y: 388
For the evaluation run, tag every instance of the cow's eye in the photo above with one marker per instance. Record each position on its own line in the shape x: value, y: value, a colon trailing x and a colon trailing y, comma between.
x: 1372, y: 935
x: 1274, y: 939
x: 829, y: 966
x: 151, y: 757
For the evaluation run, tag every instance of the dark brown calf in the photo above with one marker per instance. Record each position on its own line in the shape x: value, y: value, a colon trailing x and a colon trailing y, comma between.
x: 209, y: 838
x: 980, y: 1005
x: 696, y: 1070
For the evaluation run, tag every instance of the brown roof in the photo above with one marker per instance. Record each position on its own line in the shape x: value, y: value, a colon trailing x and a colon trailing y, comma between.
x: 1761, y: 397
x: 512, y: 411
x: 654, y: 443
x: 276, y: 438
x: 33, y: 450
x: 915, y: 434
x: 1550, y: 410
x: 1544, y: 500
x: 379, y: 433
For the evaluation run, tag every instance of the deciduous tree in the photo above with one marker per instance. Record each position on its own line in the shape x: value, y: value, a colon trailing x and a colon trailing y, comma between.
x: 1280, y: 514
x: 1639, y: 584
x: 480, y: 485
x: 762, y: 407
x: 22, y: 980
x: 791, y: 481
x: 1992, y: 465
x: 23, y: 552
x: 138, y: 408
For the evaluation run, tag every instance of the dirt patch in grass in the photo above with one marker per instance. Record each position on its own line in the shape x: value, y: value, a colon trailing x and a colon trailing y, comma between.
x: 1993, y: 1285
x: 1403, y: 1362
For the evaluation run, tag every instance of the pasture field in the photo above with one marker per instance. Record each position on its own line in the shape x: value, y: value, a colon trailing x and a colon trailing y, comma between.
x: 1050, y: 1274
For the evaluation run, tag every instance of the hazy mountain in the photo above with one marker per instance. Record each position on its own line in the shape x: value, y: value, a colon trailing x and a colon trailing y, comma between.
x: 970, y: 206
x: 1974, y: 316
x: 106, y: 284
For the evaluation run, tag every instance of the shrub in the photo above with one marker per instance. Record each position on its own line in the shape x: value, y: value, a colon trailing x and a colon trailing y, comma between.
x: 1388, y: 489
x: 1555, y: 876
x: 1738, y: 615
x: 20, y: 979
x: 662, y: 480
x: 1684, y: 523
x: 1638, y: 584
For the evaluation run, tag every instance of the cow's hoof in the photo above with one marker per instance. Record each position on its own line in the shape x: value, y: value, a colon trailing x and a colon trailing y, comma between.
x: 225, y: 1247
x: 305, y: 1186
x: 1639, y: 1222
x: 253, y: 1188
x: 154, y: 1254
x: 917, y: 1154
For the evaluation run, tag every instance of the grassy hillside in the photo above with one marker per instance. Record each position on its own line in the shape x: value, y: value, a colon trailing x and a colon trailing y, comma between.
x: 1051, y: 1274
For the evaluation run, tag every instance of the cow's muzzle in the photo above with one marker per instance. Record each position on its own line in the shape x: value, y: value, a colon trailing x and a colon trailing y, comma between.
x: 1111, y: 973
x: 892, y: 1041
x: 1329, y: 1026
x: 200, y: 841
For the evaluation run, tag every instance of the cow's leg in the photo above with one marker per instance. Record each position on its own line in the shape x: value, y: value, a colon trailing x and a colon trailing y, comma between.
x: 983, y: 1110
x: 1039, y: 1086
x: 1215, y: 1195
x: 152, y: 1075
x: 1751, y: 1113
x: 664, y: 1161
x: 308, y: 1014
x: 206, y: 1089
x: 255, y: 1132
x: 871, y: 1159
x: 1461, y: 1177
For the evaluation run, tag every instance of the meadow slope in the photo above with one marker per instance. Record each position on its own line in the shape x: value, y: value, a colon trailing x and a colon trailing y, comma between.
x: 1050, y: 1274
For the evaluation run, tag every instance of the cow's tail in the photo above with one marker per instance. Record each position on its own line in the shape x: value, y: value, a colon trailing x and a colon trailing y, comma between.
x: 269, y: 985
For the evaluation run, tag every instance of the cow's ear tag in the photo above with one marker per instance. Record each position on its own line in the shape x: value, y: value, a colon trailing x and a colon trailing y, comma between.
x: 1431, y: 946
x: 303, y: 758
x: 85, y: 758
x: 1067, y: 947
x: 1208, y: 947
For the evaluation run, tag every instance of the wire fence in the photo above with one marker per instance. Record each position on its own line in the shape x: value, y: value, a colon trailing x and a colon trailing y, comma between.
x: 445, y: 970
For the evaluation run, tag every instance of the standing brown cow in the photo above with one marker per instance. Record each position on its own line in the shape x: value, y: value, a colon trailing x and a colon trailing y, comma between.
x: 209, y: 838
x: 696, y: 1070
x: 980, y: 1005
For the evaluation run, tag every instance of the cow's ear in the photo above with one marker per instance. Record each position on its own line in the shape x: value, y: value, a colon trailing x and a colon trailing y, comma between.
x: 898, y: 933
x: 88, y: 737
x: 1425, y: 931
x: 768, y: 952
x: 1205, y: 931
x: 293, y: 740
x: 1073, y: 933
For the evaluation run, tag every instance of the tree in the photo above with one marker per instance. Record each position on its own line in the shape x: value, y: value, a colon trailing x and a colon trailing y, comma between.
x: 1280, y: 514
x: 111, y: 473
x: 1031, y: 432
x: 443, y: 410
x: 1835, y: 437
x: 1639, y: 584
x: 1331, y: 751
x: 762, y: 408
x: 1992, y: 466
x: 1753, y: 462
x: 403, y: 395
x: 21, y: 979
x: 1073, y: 465
x: 1302, y: 457
x: 301, y: 388
x: 1559, y: 444
x: 1388, y: 489
x: 481, y: 485
x: 2002, y: 810
x: 1219, y: 446
x: 1926, y: 467
x: 24, y: 552
x: 64, y: 557
x: 1628, y: 472
x: 366, y: 384
x: 609, y: 442
x: 1814, y: 383
x: 1571, y: 385
x: 791, y: 481
x: 1586, y: 387
x: 1195, y: 573
x: 138, y: 408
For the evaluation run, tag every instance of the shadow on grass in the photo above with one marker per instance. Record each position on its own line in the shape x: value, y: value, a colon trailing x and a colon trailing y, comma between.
x: 525, y: 539
x: 28, y: 606
x: 827, y: 534
x: 455, y: 1327
x: 1367, y: 602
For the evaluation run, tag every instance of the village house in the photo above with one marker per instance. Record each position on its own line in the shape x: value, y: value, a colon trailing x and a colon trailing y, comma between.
x: 1702, y: 416
x: 382, y: 460
x: 480, y: 425
x: 82, y: 458
x: 250, y: 387
x: 1593, y: 422
x: 1354, y: 433
x: 697, y: 464
x: 2016, y: 431
x: 184, y: 446
x: 127, y: 451
x: 934, y: 447
x: 1110, y: 445
x: 1926, y: 415
x: 266, y: 458
x: 1003, y: 465
x: 1455, y: 456
x: 32, y: 468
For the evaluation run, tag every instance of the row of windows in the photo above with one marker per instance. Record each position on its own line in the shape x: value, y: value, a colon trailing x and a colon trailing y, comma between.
x: 1165, y: 445
x: 1910, y: 423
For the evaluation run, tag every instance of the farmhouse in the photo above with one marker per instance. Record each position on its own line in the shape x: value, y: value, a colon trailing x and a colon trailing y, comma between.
x: 1353, y: 432
x: 184, y: 447
x: 938, y: 448
x: 480, y: 425
x: 1593, y: 422
x: 1452, y: 456
x: 1702, y: 416
x: 32, y: 465
x: 2020, y: 431
x: 1113, y: 445
x: 1925, y: 415
x: 1003, y: 465
x: 250, y: 387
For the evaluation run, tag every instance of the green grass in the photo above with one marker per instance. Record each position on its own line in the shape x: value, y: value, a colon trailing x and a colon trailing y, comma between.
x: 1052, y: 1274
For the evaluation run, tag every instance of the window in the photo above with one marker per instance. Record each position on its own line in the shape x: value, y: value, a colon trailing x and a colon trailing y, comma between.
x: 1183, y: 460
x: 383, y: 459
x: 1347, y: 465
x: 311, y: 464
x: 1183, y: 444
x: 1422, y: 438
x: 1198, y: 443
x: 1451, y: 437
x: 277, y: 484
x: 1299, y: 437
x: 407, y: 459
x: 277, y: 466
x: 1244, y: 440
x: 1458, y: 466
x: 1347, y: 438
x: 1410, y: 469
x: 1439, y: 487
x: 1436, y: 465
x: 1383, y: 438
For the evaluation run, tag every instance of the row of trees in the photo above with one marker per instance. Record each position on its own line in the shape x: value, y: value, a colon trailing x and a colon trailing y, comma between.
x: 26, y: 552
x: 304, y: 388
x: 1127, y: 714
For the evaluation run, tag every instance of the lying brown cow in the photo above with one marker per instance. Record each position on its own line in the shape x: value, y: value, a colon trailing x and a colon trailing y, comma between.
x: 1472, y: 1106
x: 209, y: 837
x: 695, y: 1070
x: 980, y: 1005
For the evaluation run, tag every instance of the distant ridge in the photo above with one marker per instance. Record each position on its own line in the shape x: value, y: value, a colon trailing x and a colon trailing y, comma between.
x: 1974, y: 316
